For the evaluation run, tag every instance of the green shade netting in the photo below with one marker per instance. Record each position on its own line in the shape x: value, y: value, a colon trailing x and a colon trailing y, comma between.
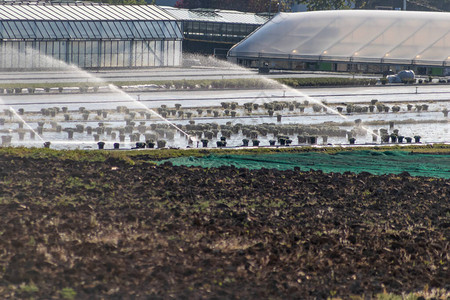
x: 374, y: 162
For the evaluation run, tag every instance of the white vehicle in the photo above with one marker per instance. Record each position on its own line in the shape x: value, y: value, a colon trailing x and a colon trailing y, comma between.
x: 401, y: 77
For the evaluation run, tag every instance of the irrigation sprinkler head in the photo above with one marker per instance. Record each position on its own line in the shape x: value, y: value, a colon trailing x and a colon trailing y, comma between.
x: 47, y: 144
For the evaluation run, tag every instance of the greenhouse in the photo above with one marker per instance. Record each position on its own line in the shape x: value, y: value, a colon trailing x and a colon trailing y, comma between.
x: 89, y: 36
x: 340, y: 40
x: 207, y: 30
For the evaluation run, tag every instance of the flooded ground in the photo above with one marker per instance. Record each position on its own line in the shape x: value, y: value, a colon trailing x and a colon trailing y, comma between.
x: 53, y: 114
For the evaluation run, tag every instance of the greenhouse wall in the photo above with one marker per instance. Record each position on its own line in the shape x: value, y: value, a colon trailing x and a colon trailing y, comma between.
x: 89, y: 54
x: 89, y: 36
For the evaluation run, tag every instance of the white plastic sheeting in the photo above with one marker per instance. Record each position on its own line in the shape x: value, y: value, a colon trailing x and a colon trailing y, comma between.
x: 363, y: 36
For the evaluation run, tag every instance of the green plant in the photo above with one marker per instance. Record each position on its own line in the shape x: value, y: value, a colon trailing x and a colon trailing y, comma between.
x: 29, y: 288
x: 68, y: 293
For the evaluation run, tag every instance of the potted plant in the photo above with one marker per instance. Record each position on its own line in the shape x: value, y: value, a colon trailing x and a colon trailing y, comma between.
x: 278, y: 118
x: 393, y: 138
x: 161, y: 143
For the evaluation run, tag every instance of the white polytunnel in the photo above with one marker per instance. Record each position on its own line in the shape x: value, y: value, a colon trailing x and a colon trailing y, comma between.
x: 352, y: 36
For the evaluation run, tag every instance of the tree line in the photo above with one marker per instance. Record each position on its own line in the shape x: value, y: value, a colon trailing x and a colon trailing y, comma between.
x: 259, y: 6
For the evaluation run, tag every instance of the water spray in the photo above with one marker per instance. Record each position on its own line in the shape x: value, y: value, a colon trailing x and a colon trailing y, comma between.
x: 272, y: 82
x: 13, y: 111
x: 116, y: 89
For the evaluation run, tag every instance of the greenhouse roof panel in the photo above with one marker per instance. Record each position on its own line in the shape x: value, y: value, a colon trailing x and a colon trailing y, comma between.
x: 352, y: 35
x: 215, y: 15
x: 83, y: 12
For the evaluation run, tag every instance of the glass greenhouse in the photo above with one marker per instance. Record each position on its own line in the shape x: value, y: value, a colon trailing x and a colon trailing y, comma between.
x: 217, y: 25
x: 208, y: 30
x: 89, y: 36
x: 349, y: 37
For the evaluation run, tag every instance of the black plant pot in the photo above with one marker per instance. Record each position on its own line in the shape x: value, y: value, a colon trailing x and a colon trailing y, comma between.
x: 140, y: 145
x: 221, y: 144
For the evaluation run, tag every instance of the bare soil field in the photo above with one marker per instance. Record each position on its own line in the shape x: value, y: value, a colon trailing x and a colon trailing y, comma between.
x: 78, y: 228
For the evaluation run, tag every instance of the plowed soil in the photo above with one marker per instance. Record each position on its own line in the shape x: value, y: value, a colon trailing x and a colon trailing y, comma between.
x: 115, y: 230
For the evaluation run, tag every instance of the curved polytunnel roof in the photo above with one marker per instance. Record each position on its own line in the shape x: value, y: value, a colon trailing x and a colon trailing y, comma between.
x: 366, y: 36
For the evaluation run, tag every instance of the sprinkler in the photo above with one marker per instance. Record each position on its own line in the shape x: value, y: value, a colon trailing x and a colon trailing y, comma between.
x: 101, y: 145
x: 116, y: 146
x: 47, y: 145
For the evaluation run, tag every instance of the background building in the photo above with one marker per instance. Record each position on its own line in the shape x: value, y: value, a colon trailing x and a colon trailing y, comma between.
x: 350, y: 40
x: 89, y: 36
x: 213, y: 31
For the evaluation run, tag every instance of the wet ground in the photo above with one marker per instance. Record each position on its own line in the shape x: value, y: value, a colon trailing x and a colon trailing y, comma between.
x: 431, y: 124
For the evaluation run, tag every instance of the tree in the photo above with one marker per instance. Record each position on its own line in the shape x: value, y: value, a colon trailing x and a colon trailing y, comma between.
x: 127, y: 2
x: 327, y: 4
x: 256, y: 6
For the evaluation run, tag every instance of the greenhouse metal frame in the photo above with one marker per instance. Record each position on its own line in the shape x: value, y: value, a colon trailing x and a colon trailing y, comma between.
x: 89, y: 36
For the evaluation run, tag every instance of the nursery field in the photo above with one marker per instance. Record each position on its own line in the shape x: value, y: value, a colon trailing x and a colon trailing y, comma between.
x: 115, y: 225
